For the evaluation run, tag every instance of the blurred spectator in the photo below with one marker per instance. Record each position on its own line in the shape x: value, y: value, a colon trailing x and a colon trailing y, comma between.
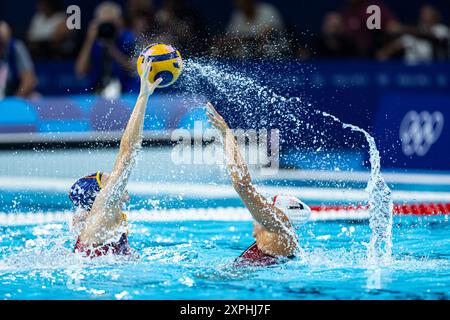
x: 48, y: 32
x: 355, y: 25
x: 429, y: 40
x: 300, y: 42
x: 181, y: 25
x: 333, y: 43
x: 140, y: 16
x: 253, y: 19
x: 107, y: 51
x: 255, y: 30
x: 17, y: 75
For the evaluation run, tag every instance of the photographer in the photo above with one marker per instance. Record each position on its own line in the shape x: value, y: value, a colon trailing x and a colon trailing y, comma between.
x: 106, y: 52
x: 47, y: 36
x: 17, y: 76
x: 427, y: 41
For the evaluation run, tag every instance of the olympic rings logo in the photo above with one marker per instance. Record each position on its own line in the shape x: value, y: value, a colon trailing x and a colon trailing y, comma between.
x: 419, y: 131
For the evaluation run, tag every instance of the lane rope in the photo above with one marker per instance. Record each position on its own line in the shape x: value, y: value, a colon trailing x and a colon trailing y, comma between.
x: 320, y: 213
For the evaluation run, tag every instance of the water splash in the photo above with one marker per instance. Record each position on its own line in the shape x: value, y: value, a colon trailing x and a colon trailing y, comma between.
x: 246, y: 93
x: 380, y: 203
x: 234, y: 87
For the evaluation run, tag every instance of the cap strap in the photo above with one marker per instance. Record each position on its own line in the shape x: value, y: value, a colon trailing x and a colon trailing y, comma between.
x: 99, y: 179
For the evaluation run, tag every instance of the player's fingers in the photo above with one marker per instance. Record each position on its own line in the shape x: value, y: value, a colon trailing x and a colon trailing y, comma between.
x: 209, y: 114
x: 213, y: 121
x: 211, y: 118
x: 214, y: 112
x: 157, y: 82
x: 212, y: 108
x: 144, y: 74
x: 212, y: 115
x: 147, y: 68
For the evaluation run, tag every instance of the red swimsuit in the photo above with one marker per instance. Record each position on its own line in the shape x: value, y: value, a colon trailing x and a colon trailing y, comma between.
x: 120, y: 247
x: 255, y: 257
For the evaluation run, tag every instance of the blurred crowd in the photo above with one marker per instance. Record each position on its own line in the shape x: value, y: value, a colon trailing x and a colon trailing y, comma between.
x: 256, y: 30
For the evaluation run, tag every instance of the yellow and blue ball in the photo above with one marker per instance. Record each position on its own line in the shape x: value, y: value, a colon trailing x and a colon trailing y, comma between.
x: 167, y: 63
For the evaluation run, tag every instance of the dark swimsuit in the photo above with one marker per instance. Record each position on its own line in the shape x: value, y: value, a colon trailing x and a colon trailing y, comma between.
x: 253, y: 256
x: 120, y: 247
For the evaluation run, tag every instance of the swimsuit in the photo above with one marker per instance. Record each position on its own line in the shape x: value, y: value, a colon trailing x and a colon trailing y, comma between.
x: 253, y: 256
x: 120, y: 247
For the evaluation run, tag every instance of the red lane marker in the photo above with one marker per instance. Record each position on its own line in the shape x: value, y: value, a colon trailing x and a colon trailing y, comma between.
x: 447, y: 207
x: 442, y: 208
x: 399, y: 208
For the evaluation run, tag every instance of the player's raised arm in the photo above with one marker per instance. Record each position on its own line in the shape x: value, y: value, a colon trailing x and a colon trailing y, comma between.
x: 272, y: 218
x: 105, y: 211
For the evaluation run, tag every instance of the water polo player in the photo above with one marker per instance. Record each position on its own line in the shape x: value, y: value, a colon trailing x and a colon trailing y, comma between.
x: 275, y: 219
x: 99, y: 198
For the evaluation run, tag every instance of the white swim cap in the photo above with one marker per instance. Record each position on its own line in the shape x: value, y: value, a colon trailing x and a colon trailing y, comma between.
x: 296, y: 210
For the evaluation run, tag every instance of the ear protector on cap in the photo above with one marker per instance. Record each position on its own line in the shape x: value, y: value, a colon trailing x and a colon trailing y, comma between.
x: 296, y: 210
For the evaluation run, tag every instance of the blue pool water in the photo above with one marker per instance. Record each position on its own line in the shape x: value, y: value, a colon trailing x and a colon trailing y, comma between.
x: 192, y: 260
x: 185, y: 258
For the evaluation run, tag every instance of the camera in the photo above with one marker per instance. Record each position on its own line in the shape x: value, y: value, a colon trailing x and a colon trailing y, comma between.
x: 107, y: 31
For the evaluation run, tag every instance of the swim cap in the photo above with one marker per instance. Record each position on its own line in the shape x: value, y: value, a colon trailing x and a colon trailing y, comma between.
x: 296, y: 210
x: 84, y: 191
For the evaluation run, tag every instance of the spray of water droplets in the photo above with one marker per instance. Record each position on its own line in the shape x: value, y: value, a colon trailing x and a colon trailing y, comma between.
x: 251, y: 97
x: 380, y: 203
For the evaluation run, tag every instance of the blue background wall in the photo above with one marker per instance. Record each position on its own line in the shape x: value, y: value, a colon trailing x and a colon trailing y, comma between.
x: 374, y: 96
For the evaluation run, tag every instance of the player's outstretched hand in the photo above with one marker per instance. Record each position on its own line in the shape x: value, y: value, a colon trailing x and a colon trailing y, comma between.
x: 216, y: 119
x: 147, y: 88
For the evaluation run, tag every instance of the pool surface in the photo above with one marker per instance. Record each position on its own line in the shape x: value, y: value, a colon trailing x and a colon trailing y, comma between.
x: 188, y: 226
x: 193, y: 260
